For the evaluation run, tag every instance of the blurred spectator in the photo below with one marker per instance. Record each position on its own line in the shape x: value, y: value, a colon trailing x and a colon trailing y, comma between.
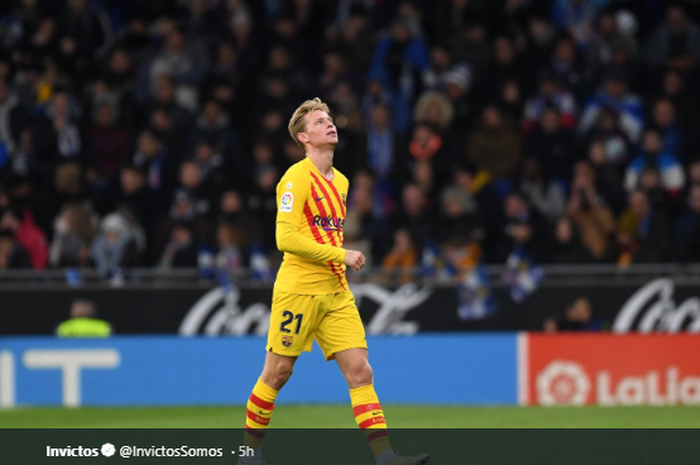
x: 193, y: 199
x: 459, y: 217
x: 568, y: 247
x: 545, y: 196
x: 593, y: 218
x: 231, y: 240
x: 262, y: 204
x: 550, y: 96
x: 435, y: 109
x: 568, y: 68
x: 552, y: 145
x: 56, y: 133
x: 676, y: 43
x: 181, y: 249
x: 28, y: 234
x: 494, y: 147
x: 686, y: 236
x: 211, y: 165
x: 12, y: 253
x: 659, y: 199
x: 87, y: 30
x: 364, y: 229
x: 685, y: 102
x: 73, y: 233
x: 507, y: 64
x: 654, y: 155
x: 511, y: 102
x: 83, y: 322
x: 665, y: 120
x: 642, y: 234
x: 213, y: 127
x: 109, y: 145
x: 152, y: 157
x: 397, y: 58
x: 442, y: 68
x: 12, y: 117
x: 479, y: 188
x: 137, y: 195
x: 414, y: 216
x: 579, y: 316
x: 402, y: 258
x: 614, y: 97
x: 577, y: 17
x: 423, y: 175
x: 165, y: 98
x: 524, y: 227
x: 429, y: 148
x: 385, y: 147
x: 609, y: 41
x: 185, y: 61
x: 606, y: 131
x: 115, y: 248
x: 607, y: 175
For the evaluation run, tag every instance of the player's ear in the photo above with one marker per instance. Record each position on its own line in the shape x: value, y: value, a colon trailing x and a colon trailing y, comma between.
x: 302, y: 137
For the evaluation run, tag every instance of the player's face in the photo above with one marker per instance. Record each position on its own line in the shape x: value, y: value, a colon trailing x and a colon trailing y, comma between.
x: 320, y: 129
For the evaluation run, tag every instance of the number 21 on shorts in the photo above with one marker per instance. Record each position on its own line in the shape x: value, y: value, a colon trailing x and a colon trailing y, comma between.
x: 288, y: 318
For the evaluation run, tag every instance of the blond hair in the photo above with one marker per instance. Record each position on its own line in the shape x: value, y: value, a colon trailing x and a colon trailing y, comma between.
x: 423, y: 108
x: 297, y: 123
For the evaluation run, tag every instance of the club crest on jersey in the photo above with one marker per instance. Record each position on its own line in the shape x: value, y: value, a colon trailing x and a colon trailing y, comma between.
x: 287, y: 340
x: 287, y: 202
x: 345, y: 203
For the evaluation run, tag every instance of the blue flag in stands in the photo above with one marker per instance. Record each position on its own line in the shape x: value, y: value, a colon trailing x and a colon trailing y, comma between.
x: 474, y: 295
x: 521, y: 276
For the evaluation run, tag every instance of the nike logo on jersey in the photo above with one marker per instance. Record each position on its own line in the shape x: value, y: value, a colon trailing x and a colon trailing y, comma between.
x: 318, y: 199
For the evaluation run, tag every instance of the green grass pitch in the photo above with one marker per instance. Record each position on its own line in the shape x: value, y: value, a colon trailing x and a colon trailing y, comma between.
x: 338, y: 416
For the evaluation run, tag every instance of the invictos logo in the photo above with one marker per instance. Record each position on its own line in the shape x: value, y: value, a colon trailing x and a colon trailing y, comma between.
x: 328, y: 222
x: 70, y: 451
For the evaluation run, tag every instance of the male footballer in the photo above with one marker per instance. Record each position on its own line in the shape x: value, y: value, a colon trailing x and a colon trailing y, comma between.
x: 311, y: 298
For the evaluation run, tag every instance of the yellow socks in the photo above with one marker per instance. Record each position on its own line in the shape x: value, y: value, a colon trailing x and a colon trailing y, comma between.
x: 258, y: 413
x: 370, y: 418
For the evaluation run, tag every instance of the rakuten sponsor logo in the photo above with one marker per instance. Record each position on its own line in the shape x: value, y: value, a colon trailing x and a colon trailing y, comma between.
x: 566, y: 383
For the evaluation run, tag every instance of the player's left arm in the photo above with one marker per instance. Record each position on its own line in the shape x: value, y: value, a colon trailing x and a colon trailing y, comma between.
x: 292, y: 195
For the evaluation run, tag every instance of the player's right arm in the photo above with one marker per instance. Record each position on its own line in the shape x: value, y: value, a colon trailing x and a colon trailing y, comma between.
x: 292, y: 195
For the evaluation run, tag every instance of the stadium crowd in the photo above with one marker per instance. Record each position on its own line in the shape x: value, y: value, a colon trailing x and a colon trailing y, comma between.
x: 154, y: 133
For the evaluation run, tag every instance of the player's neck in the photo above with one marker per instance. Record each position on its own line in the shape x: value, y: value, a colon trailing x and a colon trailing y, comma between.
x: 323, y: 160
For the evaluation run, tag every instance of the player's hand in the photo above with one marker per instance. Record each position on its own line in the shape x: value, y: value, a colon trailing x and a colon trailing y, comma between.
x: 354, y: 259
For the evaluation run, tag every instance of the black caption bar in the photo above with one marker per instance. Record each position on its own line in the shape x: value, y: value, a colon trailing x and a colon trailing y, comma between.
x: 349, y: 446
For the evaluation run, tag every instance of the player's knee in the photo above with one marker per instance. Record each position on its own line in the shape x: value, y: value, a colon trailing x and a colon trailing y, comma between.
x: 361, y: 375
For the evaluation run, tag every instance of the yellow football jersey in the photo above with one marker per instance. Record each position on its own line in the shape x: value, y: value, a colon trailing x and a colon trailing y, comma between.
x: 310, y: 220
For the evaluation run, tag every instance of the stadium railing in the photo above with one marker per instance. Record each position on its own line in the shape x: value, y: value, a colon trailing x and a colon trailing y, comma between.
x: 554, y: 274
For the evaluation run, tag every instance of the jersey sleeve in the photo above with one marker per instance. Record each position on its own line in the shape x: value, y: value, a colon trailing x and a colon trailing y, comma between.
x: 292, y: 195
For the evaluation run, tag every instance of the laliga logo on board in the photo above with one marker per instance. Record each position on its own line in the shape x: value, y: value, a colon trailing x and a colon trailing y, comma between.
x: 563, y: 383
x: 566, y: 383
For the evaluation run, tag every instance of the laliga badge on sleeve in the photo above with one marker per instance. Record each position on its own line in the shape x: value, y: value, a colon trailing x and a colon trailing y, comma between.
x: 287, y: 202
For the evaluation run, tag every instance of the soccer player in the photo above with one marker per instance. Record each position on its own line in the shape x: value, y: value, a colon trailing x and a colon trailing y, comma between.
x: 311, y: 298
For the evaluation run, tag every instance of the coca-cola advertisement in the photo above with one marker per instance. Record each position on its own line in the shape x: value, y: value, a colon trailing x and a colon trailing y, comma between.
x: 654, y: 305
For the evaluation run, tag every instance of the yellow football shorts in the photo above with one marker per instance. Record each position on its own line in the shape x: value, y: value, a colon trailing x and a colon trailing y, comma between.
x: 297, y: 319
